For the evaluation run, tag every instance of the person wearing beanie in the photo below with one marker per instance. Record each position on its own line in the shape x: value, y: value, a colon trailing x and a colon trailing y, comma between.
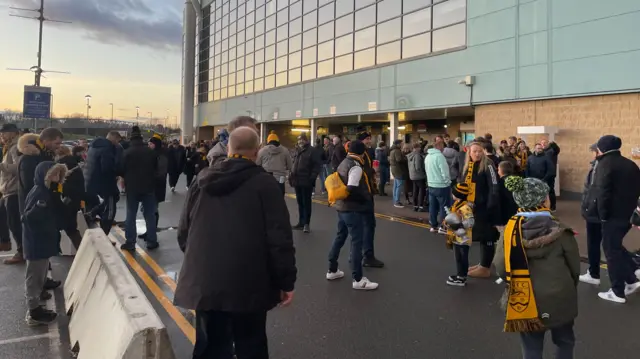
x: 160, y: 185
x: 304, y: 173
x: 612, y: 198
x: 459, y: 223
x: 218, y: 152
x: 275, y: 159
x: 352, y: 213
x: 539, y: 259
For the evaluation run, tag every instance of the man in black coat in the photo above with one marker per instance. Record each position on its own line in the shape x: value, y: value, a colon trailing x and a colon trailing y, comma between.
x: 552, y: 150
x: 140, y: 170
x: 235, y: 276
x: 100, y: 176
x: 540, y: 166
x: 306, y: 167
x: 338, y: 155
x: 612, y: 198
x: 177, y: 157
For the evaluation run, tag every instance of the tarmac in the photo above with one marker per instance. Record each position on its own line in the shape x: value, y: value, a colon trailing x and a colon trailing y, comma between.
x: 413, y: 315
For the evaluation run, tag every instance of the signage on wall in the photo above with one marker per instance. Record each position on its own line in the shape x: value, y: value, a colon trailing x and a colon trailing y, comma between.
x: 332, y: 110
x: 422, y: 128
x: 373, y: 106
x: 298, y: 114
x: 315, y: 112
x: 205, y: 122
x: 275, y: 115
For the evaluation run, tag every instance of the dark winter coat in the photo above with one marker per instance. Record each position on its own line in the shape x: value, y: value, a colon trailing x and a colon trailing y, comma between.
x: 382, y: 156
x: 508, y: 206
x: 33, y: 153
x: 306, y: 167
x: 190, y: 165
x: 199, y: 161
x: 161, y: 175
x: 584, y: 208
x: 615, y: 188
x: 176, y: 157
x: 100, y: 171
x: 338, y: 155
x: 139, y: 168
x: 228, y: 265
x: 73, y: 191
x: 554, y: 263
x: 540, y: 166
x: 553, y: 150
x: 487, y: 196
x: 40, y: 220
x: 398, y: 162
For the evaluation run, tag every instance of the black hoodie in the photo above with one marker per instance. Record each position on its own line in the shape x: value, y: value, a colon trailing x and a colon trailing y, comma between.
x: 235, y: 227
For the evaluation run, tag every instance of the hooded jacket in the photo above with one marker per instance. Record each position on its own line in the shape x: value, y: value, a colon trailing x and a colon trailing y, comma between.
x: 9, y: 169
x: 33, y: 153
x: 306, y: 167
x: 275, y: 159
x: 437, y: 169
x: 416, y: 166
x: 218, y: 153
x: 251, y: 257
x: 554, y: 264
x: 139, y: 168
x: 450, y: 155
x: 398, y: 162
x: 40, y: 227
x: 101, y: 166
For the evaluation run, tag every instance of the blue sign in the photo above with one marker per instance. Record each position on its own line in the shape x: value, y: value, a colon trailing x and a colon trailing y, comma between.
x: 37, y: 102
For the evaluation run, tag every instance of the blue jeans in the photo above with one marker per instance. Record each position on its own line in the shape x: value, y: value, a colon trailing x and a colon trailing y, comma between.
x: 369, y: 235
x: 438, y: 199
x: 149, y: 209
x: 398, y: 184
x: 349, y: 223
x: 325, y: 171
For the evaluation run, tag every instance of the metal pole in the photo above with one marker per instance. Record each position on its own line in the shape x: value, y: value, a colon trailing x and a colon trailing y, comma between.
x: 41, y: 19
x: 111, y: 111
x: 50, y: 110
x: 88, y: 107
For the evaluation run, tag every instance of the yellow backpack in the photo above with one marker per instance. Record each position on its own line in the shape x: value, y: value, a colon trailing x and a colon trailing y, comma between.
x: 336, y: 189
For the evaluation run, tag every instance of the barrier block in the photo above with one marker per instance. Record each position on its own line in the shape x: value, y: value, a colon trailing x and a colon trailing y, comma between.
x: 110, y: 316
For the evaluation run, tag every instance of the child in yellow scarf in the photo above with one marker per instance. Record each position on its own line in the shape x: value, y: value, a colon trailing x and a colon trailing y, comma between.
x: 459, y: 221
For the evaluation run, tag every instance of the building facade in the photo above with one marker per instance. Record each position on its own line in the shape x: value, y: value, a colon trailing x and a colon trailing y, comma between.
x: 478, y: 65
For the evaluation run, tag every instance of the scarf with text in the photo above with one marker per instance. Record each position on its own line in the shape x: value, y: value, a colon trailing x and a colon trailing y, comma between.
x: 468, y: 179
x: 522, y: 310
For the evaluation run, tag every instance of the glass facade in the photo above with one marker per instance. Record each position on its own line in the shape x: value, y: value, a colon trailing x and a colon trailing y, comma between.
x: 247, y: 46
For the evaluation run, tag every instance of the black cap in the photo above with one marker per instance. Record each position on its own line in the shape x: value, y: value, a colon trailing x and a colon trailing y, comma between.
x: 357, y: 147
x: 9, y: 127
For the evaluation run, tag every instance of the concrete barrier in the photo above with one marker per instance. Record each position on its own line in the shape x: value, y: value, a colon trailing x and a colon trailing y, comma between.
x: 110, y: 316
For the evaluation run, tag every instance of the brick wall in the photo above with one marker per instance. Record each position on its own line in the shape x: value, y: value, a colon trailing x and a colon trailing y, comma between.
x: 581, y: 122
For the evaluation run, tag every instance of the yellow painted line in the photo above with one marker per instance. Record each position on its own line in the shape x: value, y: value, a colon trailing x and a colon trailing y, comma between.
x: 184, y: 325
x: 393, y: 219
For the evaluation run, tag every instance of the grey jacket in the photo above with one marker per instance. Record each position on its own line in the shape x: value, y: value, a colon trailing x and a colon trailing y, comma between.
x: 451, y: 155
x: 217, y: 154
x: 416, y: 166
x: 275, y: 160
x: 9, y: 170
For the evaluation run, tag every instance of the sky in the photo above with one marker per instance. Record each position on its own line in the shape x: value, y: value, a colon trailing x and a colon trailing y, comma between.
x: 125, y: 52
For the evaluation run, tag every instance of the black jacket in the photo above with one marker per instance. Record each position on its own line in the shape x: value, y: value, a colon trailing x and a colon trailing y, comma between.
x: 553, y: 150
x: 190, y: 165
x: 337, y: 156
x: 508, y: 206
x: 32, y: 155
x: 176, y: 156
x: 306, y: 167
x: 101, y: 167
x: 615, y: 188
x: 229, y: 265
x: 161, y: 175
x: 540, y: 166
x: 139, y: 168
x: 584, y: 208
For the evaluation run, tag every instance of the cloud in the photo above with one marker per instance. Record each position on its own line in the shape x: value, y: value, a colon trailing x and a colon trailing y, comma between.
x: 155, y: 24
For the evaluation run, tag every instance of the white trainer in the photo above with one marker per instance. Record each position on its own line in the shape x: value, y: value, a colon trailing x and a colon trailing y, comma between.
x: 335, y: 275
x: 364, y: 284
x: 612, y: 297
x: 632, y: 288
x: 638, y: 274
x: 587, y: 278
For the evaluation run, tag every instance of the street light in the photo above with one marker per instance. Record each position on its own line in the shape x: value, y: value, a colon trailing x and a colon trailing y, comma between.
x: 137, y: 113
x: 88, y: 98
x: 111, y: 104
x: 150, y: 117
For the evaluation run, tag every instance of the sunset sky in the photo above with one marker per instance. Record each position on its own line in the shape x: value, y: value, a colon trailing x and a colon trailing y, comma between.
x: 125, y: 52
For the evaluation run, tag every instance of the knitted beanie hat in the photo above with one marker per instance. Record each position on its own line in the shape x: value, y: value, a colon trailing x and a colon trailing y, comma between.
x: 460, y: 191
x: 527, y: 192
x: 357, y: 147
x: 272, y: 137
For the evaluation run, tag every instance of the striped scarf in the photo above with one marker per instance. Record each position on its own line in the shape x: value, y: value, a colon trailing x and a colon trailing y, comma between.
x: 468, y: 179
x: 522, y: 157
x: 522, y: 309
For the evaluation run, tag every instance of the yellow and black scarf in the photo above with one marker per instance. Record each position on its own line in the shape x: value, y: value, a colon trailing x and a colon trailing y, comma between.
x: 451, y: 237
x: 522, y: 309
x: 471, y: 197
x: 522, y: 157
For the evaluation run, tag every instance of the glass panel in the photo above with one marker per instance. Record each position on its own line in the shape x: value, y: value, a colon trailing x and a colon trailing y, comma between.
x: 259, y: 56
x: 241, y: 10
x: 417, y: 22
x: 232, y: 79
x: 251, y: 18
x: 259, y: 27
x: 248, y: 87
x: 325, y: 68
x: 269, y: 82
x: 389, y: 31
x: 224, y: 81
x: 270, y: 38
x: 271, y: 7
x: 258, y: 85
x: 310, y: 5
x: 309, y: 72
x: 223, y: 93
x: 249, y: 47
x: 282, y: 4
x: 283, y: 33
x: 325, y: 50
x: 241, y: 24
x: 364, y: 59
x: 250, y: 5
x: 326, y: 13
x: 388, y: 9
x: 270, y: 23
x: 250, y: 32
x: 295, y: 76
x: 310, y: 20
x: 249, y: 60
x: 343, y: 7
x: 325, y: 32
x: 310, y: 38
x: 281, y: 79
x: 232, y: 53
x: 365, y: 38
x: 449, y: 37
x: 282, y: 48
x: 260, y: 13
x: 309, y: 55
x: 344, y: 63
x: 232, y: 91
x: 270, y: 53
x: 283, y: 17
x: 260, y: 42
x: 270, y: 67
x: 295, y: 10
x: 344, y: 25
x: 365, y: 17
x: 216, y: 95
x: 295, y: 26
x: 240, y: 76
x: 449, y: 12
x: 248, y: 73
x: 281, y: 64
x: 362, y: 3
x: 295, y: 60
x: 344, y: 45
x: 323, y: 2
x: 259, y: 71
x: 295, y: 43
x: 240, y: 37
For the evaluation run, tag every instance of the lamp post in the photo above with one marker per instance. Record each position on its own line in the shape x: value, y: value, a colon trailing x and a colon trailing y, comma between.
x: 137, y: 113
x: 150, y: 117
x: 111, y: 104
x: 88, y: 98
